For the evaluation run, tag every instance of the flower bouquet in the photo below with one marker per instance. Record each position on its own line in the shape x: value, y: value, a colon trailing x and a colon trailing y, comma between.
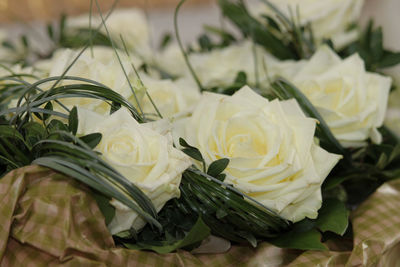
x: 263, y: 145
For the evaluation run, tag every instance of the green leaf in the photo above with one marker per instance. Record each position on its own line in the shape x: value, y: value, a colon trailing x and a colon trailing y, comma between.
x: 50, y: 31
x: 198, y: 233
x: 303, y: 236
x: 33, y: 132
x: 105, y: 207
x: 238, y: 14
x: 205, y: 42
x: 389, y: 59
x: 376, y: 44
x: 7, y: 131
x: 310, y: 240
x: 56, y: 125
x: 371, y: 50
x: 221, y: 177
x: 217, y: 167
x: 73, y: 121
x: 226, y: 37
x: 333, y: 216
x: 165, y: 40
x: 191, y: 151
x: 48, y: 106
x: 241, y: 78
x: 92, y: 140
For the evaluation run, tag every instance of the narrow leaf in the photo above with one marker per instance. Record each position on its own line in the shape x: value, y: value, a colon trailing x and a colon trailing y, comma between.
x: 73, y: 121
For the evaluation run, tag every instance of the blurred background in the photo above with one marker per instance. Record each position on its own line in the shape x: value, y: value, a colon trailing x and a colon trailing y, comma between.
x: 27, y: 10
x: 194, y: 13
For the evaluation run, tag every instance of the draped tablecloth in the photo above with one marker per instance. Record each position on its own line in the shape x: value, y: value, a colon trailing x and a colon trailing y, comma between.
x: 48, y: 219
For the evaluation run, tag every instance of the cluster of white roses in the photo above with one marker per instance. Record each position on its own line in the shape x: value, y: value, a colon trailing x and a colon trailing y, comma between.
x: 273, y: 155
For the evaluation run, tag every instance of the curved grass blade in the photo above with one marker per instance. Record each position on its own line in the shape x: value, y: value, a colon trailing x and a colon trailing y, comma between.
x: 227, y: 211
x: 143, y: 200
x: 73, y: 169
x: 178, y: 38
x: 120, y: 62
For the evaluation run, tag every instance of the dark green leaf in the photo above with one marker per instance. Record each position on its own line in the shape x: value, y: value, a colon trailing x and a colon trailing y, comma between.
x: 114, y: 107
x: 205, y: 42
x: 165, y: 40
x: 226, y: 37
x: 190, y: 150
x: 105, y: 207
x: 389, y: 59
x: 92, y: 140
x: 73, y: 121
x: 376, y: 44
x: 310, y: 240
x: 33, y: 132
x: 241, y: 78
x: 238, y: 14
x: 333, y: 216
x: 193, y: 153
x: 221, y: 177
x: 24, y: 41
x: 50, y: 31
x: 48, y: 106
x: 217, y: 167
x: 197, y: 234
x: 56, y: 125
x: 271, y: 22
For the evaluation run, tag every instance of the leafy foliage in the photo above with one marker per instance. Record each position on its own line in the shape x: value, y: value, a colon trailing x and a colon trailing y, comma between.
x: 240, y: 81
x: 179, y: 232
x: 205, y: 40
x: 226, y: 211
x: 370, y: 47
x: 289, y: 41
x: 63, y: 152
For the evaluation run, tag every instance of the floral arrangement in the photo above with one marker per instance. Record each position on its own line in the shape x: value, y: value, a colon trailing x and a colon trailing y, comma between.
x: 271, y: 134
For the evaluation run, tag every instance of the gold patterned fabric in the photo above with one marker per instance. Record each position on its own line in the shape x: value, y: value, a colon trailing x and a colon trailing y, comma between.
x: 47, y: 219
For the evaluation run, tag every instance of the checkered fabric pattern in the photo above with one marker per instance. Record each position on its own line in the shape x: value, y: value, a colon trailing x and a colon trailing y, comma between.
x: 47, y: 219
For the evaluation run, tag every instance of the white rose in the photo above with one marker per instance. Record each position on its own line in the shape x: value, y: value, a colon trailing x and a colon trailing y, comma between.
x: 103, y: 67
x: 219, y: 67
x: 171, y: 61
x: 172, y: 98
x: 130, y: 23
x: 330, y: 19
x: 143, y: 155
x: 351, y: 100
x: 10, y: 54
x: 273, y: 157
